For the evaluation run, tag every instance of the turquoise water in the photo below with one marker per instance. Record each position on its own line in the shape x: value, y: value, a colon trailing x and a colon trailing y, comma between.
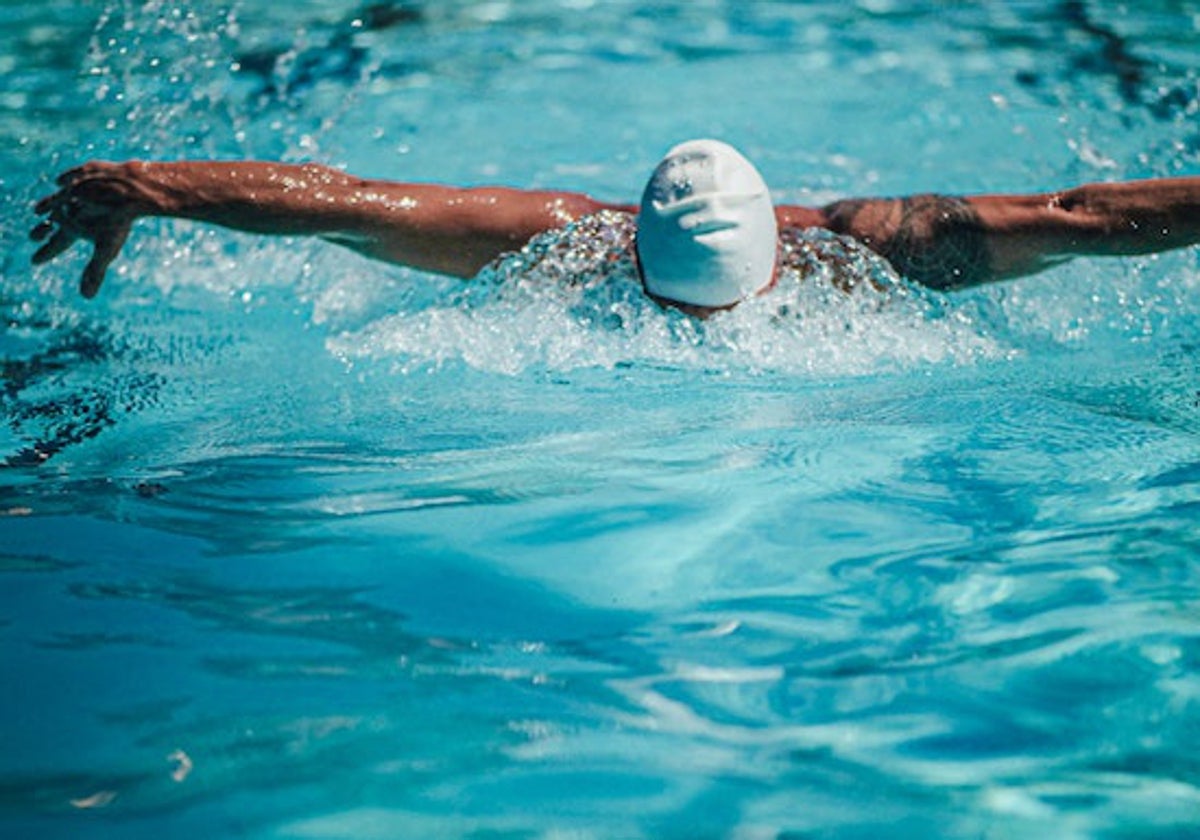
x: 297, y: 545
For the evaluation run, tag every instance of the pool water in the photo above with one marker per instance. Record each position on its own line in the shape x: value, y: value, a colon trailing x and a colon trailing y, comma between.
x: 298, y: 545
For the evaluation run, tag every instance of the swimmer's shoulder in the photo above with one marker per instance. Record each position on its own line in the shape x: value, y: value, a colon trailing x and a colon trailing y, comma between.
x: 791, y: 217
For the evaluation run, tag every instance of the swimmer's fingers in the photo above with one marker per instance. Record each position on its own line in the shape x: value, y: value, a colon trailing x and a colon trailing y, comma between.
x: 96, y: 202
x: 107, y: 248
x: 61, y: 211
x: 70, y: 176
x: 59, y: 242
x: 57, y: 230
x: 88, y: 194
x: 61, y: 200
x: 57, y: 207
x: 47, y: 204
x: 108, y: 244
x: 41, y: 230
x: 95, y: 169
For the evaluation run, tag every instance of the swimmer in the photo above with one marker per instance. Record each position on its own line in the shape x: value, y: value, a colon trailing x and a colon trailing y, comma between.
x: 707, y: 234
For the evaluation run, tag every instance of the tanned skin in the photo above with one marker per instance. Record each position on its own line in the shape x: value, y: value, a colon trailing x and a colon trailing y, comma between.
x: 943, y: 242
x: 947, y: 242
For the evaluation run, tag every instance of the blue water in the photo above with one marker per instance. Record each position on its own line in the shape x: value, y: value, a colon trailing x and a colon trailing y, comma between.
x: 297, y: 545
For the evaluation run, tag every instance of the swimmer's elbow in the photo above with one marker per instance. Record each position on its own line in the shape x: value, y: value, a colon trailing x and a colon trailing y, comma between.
x: 451, y: 256
x: 1083, y: 214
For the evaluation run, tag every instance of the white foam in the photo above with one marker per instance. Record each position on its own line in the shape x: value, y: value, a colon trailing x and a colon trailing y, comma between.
x: 571, y: 299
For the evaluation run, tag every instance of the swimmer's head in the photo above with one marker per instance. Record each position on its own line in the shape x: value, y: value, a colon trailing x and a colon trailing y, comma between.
x: 706, y: 227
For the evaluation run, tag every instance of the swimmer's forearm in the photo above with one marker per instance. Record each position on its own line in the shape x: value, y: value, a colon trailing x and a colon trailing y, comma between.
x: 954, y: 242
x: 427, y: 226
x: 1027, y: 233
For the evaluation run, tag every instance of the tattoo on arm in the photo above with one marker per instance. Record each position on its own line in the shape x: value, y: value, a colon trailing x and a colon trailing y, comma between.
x: 937, y: 241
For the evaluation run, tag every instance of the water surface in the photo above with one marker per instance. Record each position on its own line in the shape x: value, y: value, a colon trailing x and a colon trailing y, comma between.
x: 299, y: 545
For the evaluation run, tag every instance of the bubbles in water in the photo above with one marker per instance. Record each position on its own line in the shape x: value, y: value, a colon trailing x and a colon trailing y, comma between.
x: 572, y: 299
x: 160, y: 64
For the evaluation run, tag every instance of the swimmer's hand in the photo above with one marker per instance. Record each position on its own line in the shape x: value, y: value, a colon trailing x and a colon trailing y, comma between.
x: 98, y: 202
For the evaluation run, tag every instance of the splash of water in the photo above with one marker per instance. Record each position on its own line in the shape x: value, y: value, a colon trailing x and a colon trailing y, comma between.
x: 571, y: 299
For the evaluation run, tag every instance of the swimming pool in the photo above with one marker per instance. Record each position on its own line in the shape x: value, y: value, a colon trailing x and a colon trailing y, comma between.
x: 298, y: 545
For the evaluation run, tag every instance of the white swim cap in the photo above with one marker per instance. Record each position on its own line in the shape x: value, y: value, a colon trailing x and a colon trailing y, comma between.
x: 706, y: 228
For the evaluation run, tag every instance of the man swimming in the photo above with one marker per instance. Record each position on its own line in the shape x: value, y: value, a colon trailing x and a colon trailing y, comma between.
x: 707, y: 235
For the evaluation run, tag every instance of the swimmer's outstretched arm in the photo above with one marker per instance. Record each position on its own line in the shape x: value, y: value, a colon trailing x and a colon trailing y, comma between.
x: 941, y: 241
x: 431, y: 227
x: 954, y: 242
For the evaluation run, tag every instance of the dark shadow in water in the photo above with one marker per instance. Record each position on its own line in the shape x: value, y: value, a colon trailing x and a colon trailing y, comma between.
x: 1112, y: 55
x: 1104, y: 53
x: 339, y: 59
x: 332, y: 709
x: 337, y: 616
x: 55, y: 398
x: 16, y: 563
